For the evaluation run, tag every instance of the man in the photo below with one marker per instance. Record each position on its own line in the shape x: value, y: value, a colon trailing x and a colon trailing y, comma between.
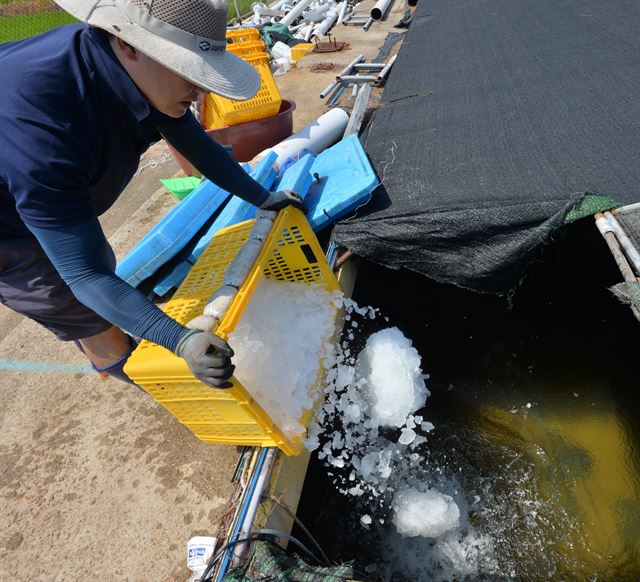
x: 80, y: 104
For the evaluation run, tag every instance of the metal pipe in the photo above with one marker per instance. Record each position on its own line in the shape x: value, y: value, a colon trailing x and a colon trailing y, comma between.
x: 354, y: 91
x: 347, y: 70
x: 245, y: 506
x: 379, y: 10
x: 247, y: 523
x: 629, y: 249
x: 329, y: 88
x: 357, y: 79
x: 604, y: 226
x: 335, y: 96
x: 342, y: 259
x: 296, y: 11
x: 367, y: 26
x: 383, y: 74
x: 369, y: 67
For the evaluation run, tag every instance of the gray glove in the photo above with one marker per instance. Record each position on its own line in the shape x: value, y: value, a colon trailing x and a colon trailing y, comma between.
x: 283, y: 198
x: 208, y: 357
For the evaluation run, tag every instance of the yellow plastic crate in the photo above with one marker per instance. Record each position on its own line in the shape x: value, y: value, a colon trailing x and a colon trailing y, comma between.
x: 299, y: 50
x: 221, y: 112
x: 232, y: 416
x: 249, y: 47
x: 243, y: 34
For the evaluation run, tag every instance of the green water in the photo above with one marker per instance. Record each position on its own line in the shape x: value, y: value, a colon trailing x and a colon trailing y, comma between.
x: 536, y: 408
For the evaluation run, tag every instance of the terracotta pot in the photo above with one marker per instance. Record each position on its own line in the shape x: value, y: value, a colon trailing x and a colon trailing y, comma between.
x: 250, y: 138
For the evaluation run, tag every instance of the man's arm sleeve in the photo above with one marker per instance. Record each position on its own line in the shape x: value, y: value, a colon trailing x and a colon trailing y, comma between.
x: 83, y: 258
x: 211, y: 159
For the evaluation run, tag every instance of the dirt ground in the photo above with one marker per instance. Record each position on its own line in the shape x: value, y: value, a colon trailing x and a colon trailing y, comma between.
x: 96, y: 480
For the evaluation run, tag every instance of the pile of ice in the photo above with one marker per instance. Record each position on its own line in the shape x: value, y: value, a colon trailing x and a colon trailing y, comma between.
x: 390, y: 368
x: 429, y: 514
x: 367, y: 428
x: 279, y: 342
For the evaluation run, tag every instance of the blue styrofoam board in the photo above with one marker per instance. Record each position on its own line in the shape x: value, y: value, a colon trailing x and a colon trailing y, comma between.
x: 298, y: 176
x: 236, y: 210
x: 169, y: 236
x: 173, y: 279
x: 346, y: 181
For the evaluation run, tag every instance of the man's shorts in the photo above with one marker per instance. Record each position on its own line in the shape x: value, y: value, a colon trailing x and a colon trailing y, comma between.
x: 30, y: 285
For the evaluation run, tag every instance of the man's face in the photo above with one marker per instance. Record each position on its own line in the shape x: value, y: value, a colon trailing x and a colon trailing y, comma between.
x: 165, y: 90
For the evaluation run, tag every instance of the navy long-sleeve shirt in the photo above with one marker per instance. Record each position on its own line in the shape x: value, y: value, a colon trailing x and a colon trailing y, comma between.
x: 74, y: 126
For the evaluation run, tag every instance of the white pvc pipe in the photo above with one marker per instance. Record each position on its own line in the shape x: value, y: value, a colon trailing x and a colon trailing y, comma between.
x: 302, y: 32
x: 307, y: 36
x: 296, y: 11
x: 318, y: 13
x: 315, y: 137
x: 378, y: 11
x: 342, y: 11
x: 260, y: 9
x: 324, y: 27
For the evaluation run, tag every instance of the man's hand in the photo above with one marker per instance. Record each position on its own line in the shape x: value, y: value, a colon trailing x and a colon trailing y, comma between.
x: 283, y: 198
x: 208, y: 357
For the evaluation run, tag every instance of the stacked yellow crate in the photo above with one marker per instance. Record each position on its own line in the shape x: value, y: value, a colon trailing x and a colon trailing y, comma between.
x: 219, y: 111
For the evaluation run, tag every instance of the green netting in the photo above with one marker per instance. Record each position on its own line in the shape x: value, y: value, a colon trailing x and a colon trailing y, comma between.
x: 270, y: 562
x: 591, y: 204
x: 22, y: 18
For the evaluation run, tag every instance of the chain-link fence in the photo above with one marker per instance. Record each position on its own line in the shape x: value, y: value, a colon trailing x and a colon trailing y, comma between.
x: 22, y: 18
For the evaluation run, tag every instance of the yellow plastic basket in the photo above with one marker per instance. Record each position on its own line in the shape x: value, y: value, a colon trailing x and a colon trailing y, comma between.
x: 248, y: 47
x: 221, y: 112
x: 232, y: 416
x: 299, y: 50
x: 243, y: 34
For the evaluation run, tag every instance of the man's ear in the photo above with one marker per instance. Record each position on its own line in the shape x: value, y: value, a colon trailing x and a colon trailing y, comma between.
x: 124, y: 48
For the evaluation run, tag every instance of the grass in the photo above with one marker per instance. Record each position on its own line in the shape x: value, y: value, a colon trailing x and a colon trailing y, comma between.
x: 23, y: 25
x: 244, y: 7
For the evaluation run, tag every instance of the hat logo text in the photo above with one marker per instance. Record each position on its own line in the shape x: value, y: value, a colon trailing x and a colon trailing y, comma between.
x: 204, y: 45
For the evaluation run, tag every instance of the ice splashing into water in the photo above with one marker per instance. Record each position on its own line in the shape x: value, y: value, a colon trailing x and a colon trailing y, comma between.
x: 372, y: 437
x: 368, y: 430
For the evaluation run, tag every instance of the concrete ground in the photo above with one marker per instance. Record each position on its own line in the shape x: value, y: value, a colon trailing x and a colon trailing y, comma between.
x: 96, y: 480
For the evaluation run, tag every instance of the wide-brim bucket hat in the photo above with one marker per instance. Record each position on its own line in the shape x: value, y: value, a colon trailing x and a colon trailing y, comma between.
x: 186, y: 36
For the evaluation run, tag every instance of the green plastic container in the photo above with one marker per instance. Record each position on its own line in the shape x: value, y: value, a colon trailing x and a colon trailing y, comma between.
x: 181, y: 187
